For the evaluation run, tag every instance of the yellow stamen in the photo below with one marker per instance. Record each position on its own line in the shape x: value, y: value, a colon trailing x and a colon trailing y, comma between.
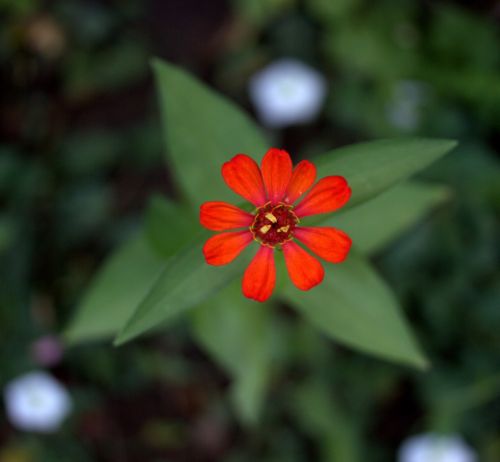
x: 265, y: 229
x: 284, y: 229
x: 271, y: 217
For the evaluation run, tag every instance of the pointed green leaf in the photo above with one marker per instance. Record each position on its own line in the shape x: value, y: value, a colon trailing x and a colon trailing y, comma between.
x: 169, y: 226
x: 185, y: 282
x: 355, y: 307
x: 372, y: 167
x: 323, y: 419
x: 374, y: 224
x: 117, y: 289
x: 202, y: 131
x: 227, y: 327
x: 126, y: 277
x: 371, y: 225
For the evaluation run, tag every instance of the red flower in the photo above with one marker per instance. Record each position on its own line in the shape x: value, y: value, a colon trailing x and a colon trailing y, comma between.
x: 275, y: 223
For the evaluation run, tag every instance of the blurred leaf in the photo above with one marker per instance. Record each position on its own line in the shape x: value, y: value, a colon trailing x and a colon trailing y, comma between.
x: 90, y: 23
x: 473, y: 171
x: 481, y: 88
x: 19, y: 8
x: 447, y: 404
x: 330, y: 12
x: 10, y: 169
x: 376, y: 223
x: 450, y: 49
x: 185, y: 282
x: 165, y: 219
x: 105, y: 69
x: 82, y: 210
x: 116, y: 290
x: 258, y: 12
x: 23, y: 180
x: 355, y: 106
x: 124, y: 280
x: 366, y: 44
x: 87, y: 153
x: 372, y: 167
x: 145, y: 139
x: 238, y: 333
x: 202, y: 131
x: 320, y: 416
x: 15, y: 452
x: 355, y: 307
x: 7, y: 232
x: 293, y: 36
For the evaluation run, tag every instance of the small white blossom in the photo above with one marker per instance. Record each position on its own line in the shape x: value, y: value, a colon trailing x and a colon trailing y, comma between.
x: 287, y: 92
x: 36, y: 402
x: 436, y: 448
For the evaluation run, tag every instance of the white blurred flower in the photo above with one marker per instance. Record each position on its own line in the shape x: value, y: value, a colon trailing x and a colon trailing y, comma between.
x: 36, y: 402
x: 404, y: 111
x: 436, y: 448
x: 287, y: 92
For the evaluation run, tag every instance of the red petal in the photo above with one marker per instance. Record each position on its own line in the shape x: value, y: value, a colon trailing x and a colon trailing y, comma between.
x: 304, y: 270
x: 242, y: 175
x: 303, y: 177
x: 276, y: 172
x: 223, y: 248
x: 219, y: 216
x: 328, y: 194
x: 260, y: 276
x: 328, y: 243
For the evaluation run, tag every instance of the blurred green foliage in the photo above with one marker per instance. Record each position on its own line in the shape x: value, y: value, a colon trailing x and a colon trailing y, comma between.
x: 81, y: 158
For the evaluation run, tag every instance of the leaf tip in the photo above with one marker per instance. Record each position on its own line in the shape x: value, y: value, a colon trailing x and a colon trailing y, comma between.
x: 450, y: 144
x: 126, y: 334
x: 422, y: 364
x: 121, y: 339
x: 72, y: 335
x: 159, y: 66
x: 155, y: 63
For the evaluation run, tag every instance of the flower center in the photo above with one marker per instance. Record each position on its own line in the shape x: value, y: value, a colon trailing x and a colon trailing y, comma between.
x: 274, y: 224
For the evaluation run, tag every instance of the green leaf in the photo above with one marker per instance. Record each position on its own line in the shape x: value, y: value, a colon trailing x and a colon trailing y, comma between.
x: 322, y: 418
x: 371, y: 168
x: 355, y: 307
x: 185, y: 282
x: 169, y: 226
x: 109, y: 68
x: 238, y: 334
x: 371, y: 225
x: 376, y: 223
x: 449, y: 402
x: 117, y: 289
x: 202, y: 131
x: 127, y: 276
